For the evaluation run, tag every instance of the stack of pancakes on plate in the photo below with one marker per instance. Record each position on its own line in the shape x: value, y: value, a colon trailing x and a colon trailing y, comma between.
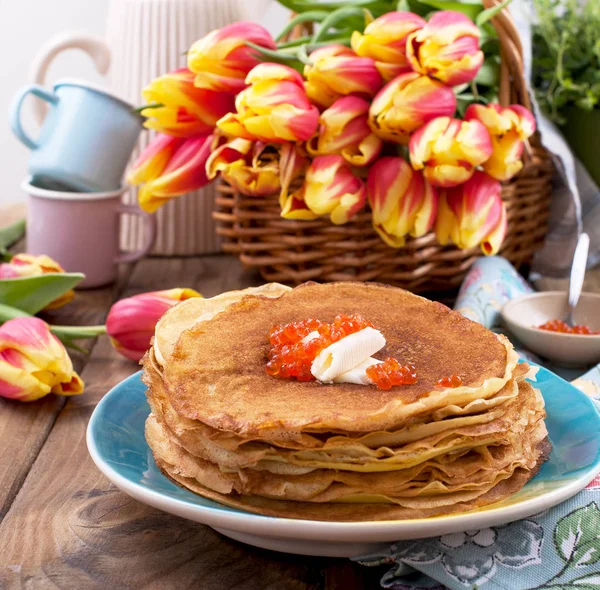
x: 225, y: 429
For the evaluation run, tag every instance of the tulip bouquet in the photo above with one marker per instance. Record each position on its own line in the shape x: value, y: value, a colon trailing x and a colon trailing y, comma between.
x: 386, y: 106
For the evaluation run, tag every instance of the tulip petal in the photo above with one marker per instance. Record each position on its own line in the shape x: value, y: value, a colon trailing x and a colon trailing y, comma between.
x: 446, y: 48
x: 33, y: 362
x: 427, y: 213
x: 473, y: 214
x: 330, y: 188
x: 493, y: 242
x: 384, y: 40
x: 131, y: 322
x: 402, y: 202
x: 222, y: 60
x: 272, y: 110
x: 186, y: 110
x: 337, y: 71
x: 154, y: 159
x: 185, y: 172
x: 508, y: 128
x: 293, y: 206
x: 408, y: 102
x: 448, y: 150
x: 344, y: 130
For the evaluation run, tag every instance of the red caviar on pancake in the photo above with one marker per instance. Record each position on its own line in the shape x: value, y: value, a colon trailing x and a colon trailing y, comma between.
x: 292, y: 357
x: 564, y: 328
x: 450, y: 381
x: 390, y: 373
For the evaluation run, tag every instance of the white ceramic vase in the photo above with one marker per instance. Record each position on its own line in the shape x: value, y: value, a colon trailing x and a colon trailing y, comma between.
x: 145, y: 39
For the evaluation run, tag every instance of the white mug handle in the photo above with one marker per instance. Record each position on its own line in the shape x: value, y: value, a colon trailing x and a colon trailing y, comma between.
x: 96, y: 47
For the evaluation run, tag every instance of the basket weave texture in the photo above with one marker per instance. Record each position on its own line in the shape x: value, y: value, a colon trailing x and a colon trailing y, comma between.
x: 291, y: 251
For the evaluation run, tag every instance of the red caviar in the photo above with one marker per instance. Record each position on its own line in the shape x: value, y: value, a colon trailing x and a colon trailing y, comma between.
x: 289, y: 357
x: 450, y: 381
x: 564, y: 328
x: 390, y: 373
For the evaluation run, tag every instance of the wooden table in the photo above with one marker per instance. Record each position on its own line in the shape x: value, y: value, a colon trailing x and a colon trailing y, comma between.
x: 64, y: 525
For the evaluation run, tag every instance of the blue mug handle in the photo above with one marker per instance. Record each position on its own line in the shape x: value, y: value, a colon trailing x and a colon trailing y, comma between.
x: 15, y: 112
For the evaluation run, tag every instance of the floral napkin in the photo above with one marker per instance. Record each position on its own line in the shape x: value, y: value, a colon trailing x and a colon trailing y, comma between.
x: 557, y: 549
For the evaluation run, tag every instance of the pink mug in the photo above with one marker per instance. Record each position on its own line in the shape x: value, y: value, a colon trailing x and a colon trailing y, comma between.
x: 81, y: 231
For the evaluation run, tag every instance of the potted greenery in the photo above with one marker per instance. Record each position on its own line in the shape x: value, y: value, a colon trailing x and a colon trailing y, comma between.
x: 566, y: 73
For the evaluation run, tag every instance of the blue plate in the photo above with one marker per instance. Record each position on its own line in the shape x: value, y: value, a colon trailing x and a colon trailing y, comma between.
x: 116, y: 442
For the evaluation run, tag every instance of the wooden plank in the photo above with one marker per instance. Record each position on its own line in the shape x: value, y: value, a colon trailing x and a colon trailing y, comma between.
x: 70, y: 528
x: 25, y: 427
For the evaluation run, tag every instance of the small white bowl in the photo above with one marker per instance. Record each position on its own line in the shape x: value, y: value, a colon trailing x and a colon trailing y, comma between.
x: 523, y: 314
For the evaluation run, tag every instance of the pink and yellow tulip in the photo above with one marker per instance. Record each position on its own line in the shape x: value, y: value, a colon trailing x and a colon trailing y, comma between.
x: 473, y: 214
x: 131, y: 322
x: 255, y: 168
x: 448, y: 150
x: 408, y: 102
x: 293, y: 205
x: 331, y: 188
x: 222, y: 59
x: 446, y: 48
x: 402, y: 201
x: 33, y: 362
x: 337, y: 71
x: 344, y: 129
x: 26, y: 265
x: 508, y: 127
x: 274, y: 108
x: 170, y: 167
x: 184, y: 109
x: 384, y: 40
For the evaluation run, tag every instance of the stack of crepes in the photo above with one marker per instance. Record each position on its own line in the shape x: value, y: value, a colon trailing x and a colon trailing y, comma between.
x: 225, y: 429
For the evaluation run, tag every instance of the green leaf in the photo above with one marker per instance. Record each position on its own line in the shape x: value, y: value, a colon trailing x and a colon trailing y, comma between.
x: 11, y: 235
x: 489, y: 13
x: 32, y: 294
x: 489, y: 74
x: 577, y: 535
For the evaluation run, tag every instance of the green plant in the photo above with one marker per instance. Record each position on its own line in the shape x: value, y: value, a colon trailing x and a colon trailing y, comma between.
x: 566, y: 55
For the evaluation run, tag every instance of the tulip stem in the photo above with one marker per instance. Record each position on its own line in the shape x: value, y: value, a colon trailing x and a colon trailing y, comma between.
x: 154, y: 105
x: 8, y: 313
x: 302, y: 55
x: 276, y: 55
x: 303, y: 17
x: 300, y: 6
x: 66, y: 334
x: 76, y: 332
x: 335, y: 17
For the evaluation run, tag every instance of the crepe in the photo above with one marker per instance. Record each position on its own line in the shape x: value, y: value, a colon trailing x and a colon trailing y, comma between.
x: 381, y: 451
x: 197, y: 309
x: 223, y: 428
x: 216, y: 373
x: 431, y: 483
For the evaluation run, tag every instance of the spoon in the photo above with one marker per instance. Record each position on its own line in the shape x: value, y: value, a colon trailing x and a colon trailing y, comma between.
x: 577, y: 275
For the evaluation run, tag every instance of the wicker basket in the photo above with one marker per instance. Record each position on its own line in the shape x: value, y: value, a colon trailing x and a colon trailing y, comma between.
x: 292, y: 251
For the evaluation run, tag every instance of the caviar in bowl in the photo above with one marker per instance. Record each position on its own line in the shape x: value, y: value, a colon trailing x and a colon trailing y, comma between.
x: 524, y: 315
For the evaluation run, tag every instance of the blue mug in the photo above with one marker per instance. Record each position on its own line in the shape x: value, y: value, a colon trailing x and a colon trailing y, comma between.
x: 86, y: 138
